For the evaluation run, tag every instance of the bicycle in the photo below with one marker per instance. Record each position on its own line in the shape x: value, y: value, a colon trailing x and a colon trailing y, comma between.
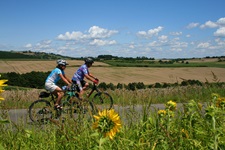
x: 42, y: 110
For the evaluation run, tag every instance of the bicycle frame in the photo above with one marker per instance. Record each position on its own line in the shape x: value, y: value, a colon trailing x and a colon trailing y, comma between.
x: 94, y: 88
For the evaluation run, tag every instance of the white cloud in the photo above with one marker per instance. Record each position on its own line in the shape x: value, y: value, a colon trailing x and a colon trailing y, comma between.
x: 132, y: 46
x: 203, y: 45
x: 221, y: 21
x: 102, y: 42
x: 150, y: 33
x: 155, y: 31
x: 177, y: 45
x: 209, y: 24
x: 163, y: 38
x: 188, y: 35
x: 192, y: 25
x: 75, y: 35
x: 28, y: 45
x: 220, y: 42
x: 155, y: 45
x: 176, y: 33
x: 97, y: 32
x: 94, y: 32
x: 142, y: 33
x: 220, y: 32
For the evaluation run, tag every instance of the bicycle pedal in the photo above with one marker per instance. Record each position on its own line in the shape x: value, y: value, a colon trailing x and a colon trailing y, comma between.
x: 58, y: 107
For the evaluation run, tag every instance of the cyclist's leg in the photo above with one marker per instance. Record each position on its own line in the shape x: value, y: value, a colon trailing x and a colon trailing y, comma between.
x: 80, y: 88
x: 60, y: 94
x: 56, y: 90
x: 84, y: 84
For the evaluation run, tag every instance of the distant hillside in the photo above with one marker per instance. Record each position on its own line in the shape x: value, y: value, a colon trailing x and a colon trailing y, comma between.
x: 30, y: 55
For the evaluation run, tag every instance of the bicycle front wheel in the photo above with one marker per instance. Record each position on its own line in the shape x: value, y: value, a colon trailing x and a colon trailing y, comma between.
x: 102, y: 100
x: 75, y: 108
x: 40, y: 111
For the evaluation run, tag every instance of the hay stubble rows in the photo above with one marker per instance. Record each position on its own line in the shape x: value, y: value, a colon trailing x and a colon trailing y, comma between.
x: 109, y: 74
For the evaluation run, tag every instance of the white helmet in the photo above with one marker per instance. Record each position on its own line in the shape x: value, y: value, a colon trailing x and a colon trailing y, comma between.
x: 62, y: 62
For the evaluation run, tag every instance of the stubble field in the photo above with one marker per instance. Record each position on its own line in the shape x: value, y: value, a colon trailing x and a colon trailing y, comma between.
x: 109, y: 74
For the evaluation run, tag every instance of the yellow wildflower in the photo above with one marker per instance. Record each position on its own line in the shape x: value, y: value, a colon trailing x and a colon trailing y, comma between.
x: 171, y: 105
x: 161, y: 113
x: 1, y: 85
x: 107, y: 122
x: 220, y: 102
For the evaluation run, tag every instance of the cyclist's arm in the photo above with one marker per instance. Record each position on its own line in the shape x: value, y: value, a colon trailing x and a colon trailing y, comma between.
x: 89, y: 77
x: 92, y: 76
x: 64, y: 79
x: 69, y: 80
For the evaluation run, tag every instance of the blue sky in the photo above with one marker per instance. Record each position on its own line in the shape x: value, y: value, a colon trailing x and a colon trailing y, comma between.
x: 127, y: 28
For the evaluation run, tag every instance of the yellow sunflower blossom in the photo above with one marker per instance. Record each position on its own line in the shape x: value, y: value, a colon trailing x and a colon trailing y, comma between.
x: 107, y: 122
x: 161, y: 113
x: 220, y: 102
x: 171, y: 105
x: 1, y: 85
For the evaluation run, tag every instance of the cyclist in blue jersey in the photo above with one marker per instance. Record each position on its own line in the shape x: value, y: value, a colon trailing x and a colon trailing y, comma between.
x: 57, y: 74
x: 78, y: 77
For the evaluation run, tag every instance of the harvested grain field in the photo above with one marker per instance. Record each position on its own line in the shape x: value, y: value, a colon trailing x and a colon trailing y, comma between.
x: 124, y: 75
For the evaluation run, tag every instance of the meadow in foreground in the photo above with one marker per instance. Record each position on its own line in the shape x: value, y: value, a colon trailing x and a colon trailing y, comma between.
x: 198, y: 124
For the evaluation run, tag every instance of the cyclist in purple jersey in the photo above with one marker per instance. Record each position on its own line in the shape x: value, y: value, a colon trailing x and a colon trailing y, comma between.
x: 81, y: 73
x: 57, y: 74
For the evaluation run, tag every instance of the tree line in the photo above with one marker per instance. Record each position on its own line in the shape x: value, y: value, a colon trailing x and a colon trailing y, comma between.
x: 36, y: 79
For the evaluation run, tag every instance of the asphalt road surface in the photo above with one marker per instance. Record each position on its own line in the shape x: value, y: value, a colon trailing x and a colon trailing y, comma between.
x: 126, y: 113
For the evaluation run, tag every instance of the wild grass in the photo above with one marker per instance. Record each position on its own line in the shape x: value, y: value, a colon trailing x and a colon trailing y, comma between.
x: 20, y: 98
x: 189, y: 128
x: 192, y: 118
x: 179, y: 94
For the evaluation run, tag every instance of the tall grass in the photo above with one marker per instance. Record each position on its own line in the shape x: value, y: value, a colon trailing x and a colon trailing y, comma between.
x: 187, y: 128
x: 179, y: 94
x: 23, y: 98
x: 190, y: 127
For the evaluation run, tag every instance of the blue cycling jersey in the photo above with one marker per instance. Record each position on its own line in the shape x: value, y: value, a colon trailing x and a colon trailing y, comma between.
x: 54, y: 75
x: 79, y: 74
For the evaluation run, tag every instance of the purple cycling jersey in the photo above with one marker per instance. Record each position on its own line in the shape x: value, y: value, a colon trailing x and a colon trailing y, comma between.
x: 79, y: 74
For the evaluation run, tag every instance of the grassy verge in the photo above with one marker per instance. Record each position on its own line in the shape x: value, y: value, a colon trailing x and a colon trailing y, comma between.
x: 23, y: 97
x: 170, y: 128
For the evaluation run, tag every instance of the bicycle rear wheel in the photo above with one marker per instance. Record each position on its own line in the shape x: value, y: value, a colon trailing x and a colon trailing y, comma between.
x: 40, y: 111
x: 102, y: 101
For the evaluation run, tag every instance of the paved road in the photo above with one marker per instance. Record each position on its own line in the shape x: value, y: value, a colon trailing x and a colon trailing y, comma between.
x: 126, y: 113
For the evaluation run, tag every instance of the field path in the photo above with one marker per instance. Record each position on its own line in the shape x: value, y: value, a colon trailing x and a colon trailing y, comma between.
x: 22, y: 116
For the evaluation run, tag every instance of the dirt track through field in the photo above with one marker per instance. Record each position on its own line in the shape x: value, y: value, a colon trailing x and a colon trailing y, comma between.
x: 124, y: 75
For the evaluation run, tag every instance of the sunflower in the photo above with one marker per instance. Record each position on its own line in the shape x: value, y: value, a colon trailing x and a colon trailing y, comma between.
x: 107, y: 122
x: 171, y: 105
x: 220, y: 102
x: 161, y: 113
x: 1, y: 85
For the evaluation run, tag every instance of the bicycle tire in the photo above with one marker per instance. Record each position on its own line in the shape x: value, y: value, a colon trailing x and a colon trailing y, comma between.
x: 101, y: 101
x: 40, y: 111
x: 68, y: 108
x: 76, y: 109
